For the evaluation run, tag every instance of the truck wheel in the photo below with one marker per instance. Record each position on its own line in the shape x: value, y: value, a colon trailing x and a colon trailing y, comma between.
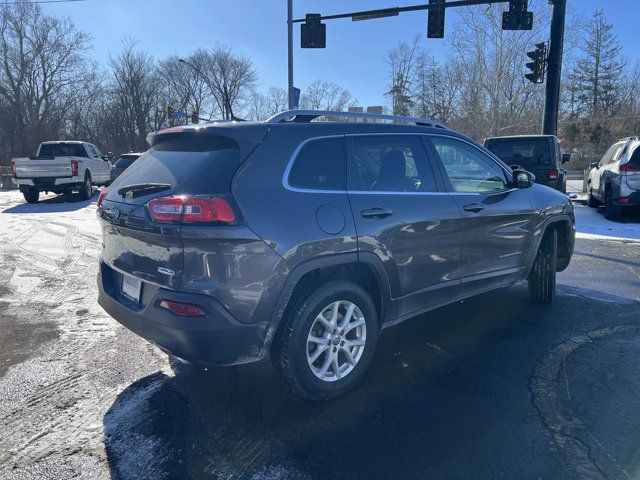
x: 542, y: 277
x: 327, y: 341
x: 86, y: 190
x: 591, y: 200
x: 31, y: 195
x: 611, y: 211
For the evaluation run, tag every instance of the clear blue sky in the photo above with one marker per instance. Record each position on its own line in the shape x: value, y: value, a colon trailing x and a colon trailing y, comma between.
x: 257, y: 29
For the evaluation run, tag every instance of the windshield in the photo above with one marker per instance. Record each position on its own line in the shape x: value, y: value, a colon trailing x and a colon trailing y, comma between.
x: 62, y: 150
x: 526, y: 152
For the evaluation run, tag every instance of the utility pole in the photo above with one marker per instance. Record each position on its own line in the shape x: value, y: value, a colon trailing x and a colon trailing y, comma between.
x: 554, y: 71
x: 290, y: 50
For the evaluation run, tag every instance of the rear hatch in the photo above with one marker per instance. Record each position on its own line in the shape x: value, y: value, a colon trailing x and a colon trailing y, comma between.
x: 533, y: 154
x: 632, y: 169
x: 184, y: 164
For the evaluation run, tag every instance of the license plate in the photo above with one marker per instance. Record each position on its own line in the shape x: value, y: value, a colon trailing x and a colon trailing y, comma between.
x: 131, y: 288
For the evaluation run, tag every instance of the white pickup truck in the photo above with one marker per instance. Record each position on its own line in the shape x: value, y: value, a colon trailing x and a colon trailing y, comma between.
x: 61, y: 167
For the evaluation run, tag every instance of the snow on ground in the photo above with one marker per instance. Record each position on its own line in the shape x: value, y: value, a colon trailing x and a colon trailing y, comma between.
x: 591, y: 224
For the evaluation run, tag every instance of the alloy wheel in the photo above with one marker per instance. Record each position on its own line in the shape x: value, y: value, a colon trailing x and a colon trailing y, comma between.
x: 336, y: 341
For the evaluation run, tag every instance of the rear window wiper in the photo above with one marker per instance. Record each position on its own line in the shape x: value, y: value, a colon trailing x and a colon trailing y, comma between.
x: 140, y: 187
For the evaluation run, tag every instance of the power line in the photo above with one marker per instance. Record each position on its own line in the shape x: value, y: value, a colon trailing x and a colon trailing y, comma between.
x: 41, y: 1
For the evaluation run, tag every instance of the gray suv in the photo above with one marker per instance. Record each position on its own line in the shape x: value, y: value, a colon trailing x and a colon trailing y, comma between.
x: 301, y: 240
x: 615, y: 179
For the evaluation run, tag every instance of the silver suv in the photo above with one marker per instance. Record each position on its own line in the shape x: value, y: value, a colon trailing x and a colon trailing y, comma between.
x: 615, y: 180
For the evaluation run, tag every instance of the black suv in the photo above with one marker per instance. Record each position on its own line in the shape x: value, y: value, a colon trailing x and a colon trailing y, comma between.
x: 301, y: 240
x: 539, y: 154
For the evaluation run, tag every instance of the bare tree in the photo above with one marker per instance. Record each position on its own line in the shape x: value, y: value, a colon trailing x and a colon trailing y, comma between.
x: 261, y: 106
x: 323, y: 95
x: 403, y: 62
x: 42, y: 68
x: 134, y: 89
x: 229, y: 77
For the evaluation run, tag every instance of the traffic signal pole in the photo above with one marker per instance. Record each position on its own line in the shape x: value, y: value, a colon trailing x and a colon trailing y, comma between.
x: 554, y: 69
x: 290, y: 51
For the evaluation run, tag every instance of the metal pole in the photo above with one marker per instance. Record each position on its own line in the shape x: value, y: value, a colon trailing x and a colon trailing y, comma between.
x: 554, y: 69
x: 290, y: 50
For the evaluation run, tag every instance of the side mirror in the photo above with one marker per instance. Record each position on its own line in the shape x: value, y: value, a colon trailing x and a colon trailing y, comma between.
x: 515, y: 167
x: 566, y: 157
x: 523, y: 179
x: 594, y: 164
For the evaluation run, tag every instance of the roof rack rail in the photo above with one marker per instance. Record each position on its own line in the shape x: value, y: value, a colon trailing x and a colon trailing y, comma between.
x: 634, y: 137
x: 306, y: 116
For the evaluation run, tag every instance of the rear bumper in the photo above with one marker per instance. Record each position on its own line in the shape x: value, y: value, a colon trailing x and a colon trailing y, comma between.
x: 633, y: 200
x: 215, y: 339
x: 43, y: 183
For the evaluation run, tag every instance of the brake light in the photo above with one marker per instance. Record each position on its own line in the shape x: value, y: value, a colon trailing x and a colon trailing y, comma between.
x: 74, y: 168
x: 103, y: 193
x: 624, y: 199
x: 183, y: 309
x: 13, y: 169
x: 186, y: 209
x: 552, y: 174
x: 629, y: 168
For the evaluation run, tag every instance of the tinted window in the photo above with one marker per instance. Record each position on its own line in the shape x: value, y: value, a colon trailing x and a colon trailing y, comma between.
x: 468, y: 168
x: 390, y: 163
x: 319, y: 165
x: 190, y: 165
x: 62, y: 150
x: 526, y: 152
x: 634, y: 159
x: 125, y: 161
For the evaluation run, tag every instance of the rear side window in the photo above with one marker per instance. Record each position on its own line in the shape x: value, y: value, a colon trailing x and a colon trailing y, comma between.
x: 191, y: 165
x: 124, y: 162
x: 62, y: 150
x: 319, y: 165
x: 389, y: 163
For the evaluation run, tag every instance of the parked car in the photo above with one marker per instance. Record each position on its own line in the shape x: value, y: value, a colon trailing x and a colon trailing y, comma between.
x: 61, y: 167
x: 539, y: 154
x: 229, y: 242
x: 615, y: 180
x: 124, y: 161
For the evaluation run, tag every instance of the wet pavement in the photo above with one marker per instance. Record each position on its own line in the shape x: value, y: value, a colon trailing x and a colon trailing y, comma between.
x: 492, y: 387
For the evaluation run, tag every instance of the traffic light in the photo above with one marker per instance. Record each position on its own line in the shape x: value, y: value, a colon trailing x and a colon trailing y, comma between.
x: 313, y: 33
x: 195, y: 116
x: 435, y: 23
x: 539, y: 63
x: 517, y: 17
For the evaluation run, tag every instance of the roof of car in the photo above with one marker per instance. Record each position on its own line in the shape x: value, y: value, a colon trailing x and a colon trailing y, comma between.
x: 54, y: 142
x: 520, y: 137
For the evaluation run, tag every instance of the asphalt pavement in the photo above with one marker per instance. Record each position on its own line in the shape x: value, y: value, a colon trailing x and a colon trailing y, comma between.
x: 492, y: 387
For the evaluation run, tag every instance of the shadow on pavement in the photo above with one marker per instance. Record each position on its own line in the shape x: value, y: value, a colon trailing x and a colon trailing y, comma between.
x: 447, y: 396
x: 60, y: 203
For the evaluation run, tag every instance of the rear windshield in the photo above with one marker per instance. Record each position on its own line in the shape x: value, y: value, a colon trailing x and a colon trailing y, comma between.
x: 125, y: 161
x: 62, y: 150
x: 191, y: 165
x: 634, y: 159
x: 524, y: 152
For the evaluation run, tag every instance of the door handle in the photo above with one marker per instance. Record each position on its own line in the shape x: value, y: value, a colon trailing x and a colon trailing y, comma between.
x: 473, y: 207
x: 376, y: 212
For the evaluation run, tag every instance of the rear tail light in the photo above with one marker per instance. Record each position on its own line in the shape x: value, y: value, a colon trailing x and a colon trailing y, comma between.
x: 552, y: 174
x: 624, y: 199
x: 186, y: 209
x: 13, y: 169
x: 629, y: 168
x: 103, y: 193
x: 74, y: 168
x: 183, y: 309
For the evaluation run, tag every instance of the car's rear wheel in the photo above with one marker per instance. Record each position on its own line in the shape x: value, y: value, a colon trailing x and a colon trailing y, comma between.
x: 542, y: 277
x: 591, y: 200
x: 86, y: 190
x: 611, y: 211
x: 328, y: 340
x: 31, y: 195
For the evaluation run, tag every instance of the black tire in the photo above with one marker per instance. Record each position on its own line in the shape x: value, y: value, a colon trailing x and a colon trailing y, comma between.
x: 290, y: 351
x: 542, y: 277
x: 591, y: 200
x: 31, y: 195
x: 86, y: 190
x: 611, y: 211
